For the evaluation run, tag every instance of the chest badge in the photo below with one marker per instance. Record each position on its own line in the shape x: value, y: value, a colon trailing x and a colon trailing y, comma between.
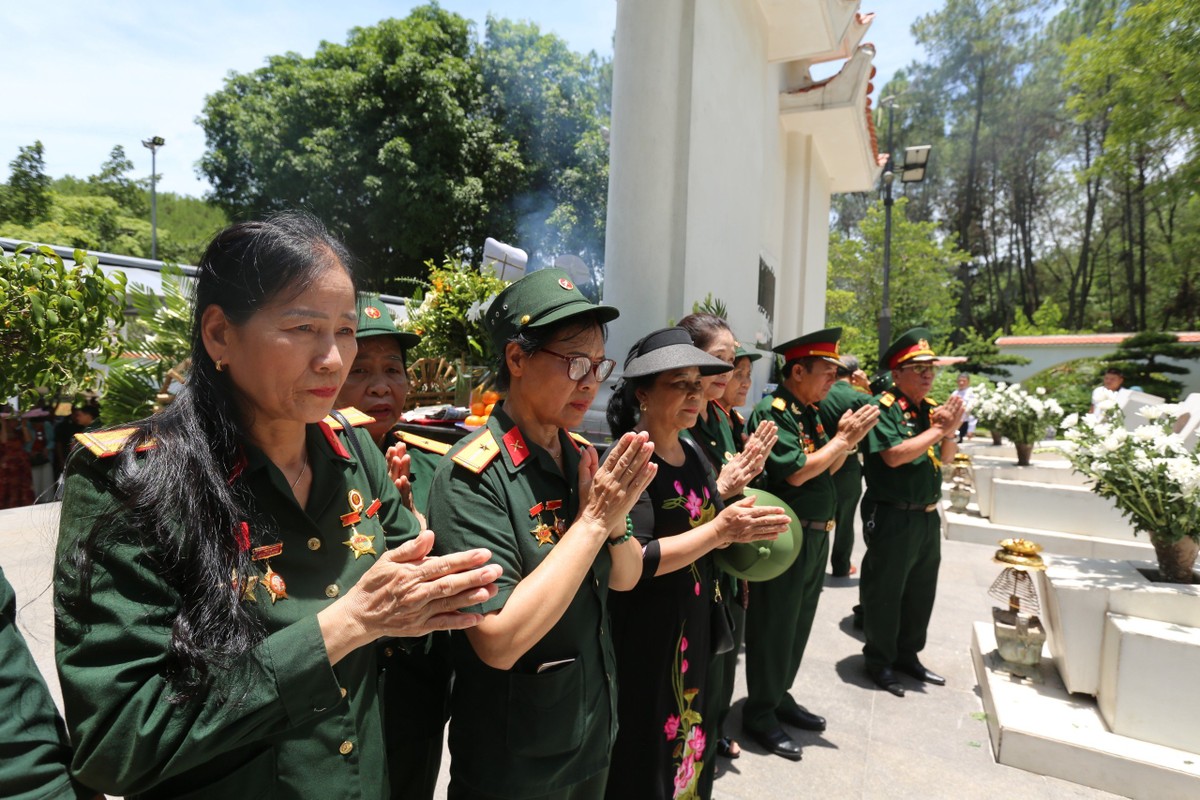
x: 359, y: 543
x: 546, y: 531
x: 273, y: 582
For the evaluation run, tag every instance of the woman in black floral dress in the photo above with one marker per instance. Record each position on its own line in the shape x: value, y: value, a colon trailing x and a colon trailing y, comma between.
x: 662, y: 629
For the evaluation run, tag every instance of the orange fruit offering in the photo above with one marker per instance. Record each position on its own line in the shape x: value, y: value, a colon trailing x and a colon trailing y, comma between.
x: 478, y: 409
x: 475, y: 419
x: 487, y: 410
x: 490, y: 397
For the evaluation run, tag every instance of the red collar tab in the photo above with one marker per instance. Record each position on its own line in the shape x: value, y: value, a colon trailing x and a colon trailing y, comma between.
x: 820, y: 349
x: 243, y: 536
x: 334, y: 442
x: 239, y: 467
x: 514, y: 443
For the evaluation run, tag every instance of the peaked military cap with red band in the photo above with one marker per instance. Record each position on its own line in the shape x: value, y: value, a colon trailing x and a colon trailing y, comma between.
x: 819, y: 344
x: 912, y: 347
x: 540, y: 298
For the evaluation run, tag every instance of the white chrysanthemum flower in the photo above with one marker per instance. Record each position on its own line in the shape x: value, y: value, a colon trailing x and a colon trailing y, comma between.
x: 1041, y: 390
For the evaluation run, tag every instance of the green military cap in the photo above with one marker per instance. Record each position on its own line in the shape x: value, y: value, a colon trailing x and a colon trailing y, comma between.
x: 819, y: 344
x: 374, y: 319
x: 911, y: 346
x: 538, y: 299
x: 742, y: 352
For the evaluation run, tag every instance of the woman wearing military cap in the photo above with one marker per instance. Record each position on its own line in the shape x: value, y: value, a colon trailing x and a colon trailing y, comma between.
x: 533, y: 712
x: 664, y: 627
x: 901, y: 524
x: 738, y: 389
x: 417, y: 686
x: 799, y: 470
x: 224, y: 566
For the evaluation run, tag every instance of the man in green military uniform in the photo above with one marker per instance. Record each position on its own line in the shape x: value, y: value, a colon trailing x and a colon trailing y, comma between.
x: 849, y: 392
x: 799, y: 470
x: 901, y: 523
x: 416, y: 701
x: 34, y: 752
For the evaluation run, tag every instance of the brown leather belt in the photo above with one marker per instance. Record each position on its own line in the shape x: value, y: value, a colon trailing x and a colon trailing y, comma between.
x: 818, y: 525
x: 908, y: 506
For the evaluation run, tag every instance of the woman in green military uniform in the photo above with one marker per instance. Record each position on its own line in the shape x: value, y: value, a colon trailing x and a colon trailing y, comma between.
x: 533, y: 712
x: 223, y: 565
x: 416, y: 701
x: 663, y: 628
x: 737, y: 462
x: 738, y: 389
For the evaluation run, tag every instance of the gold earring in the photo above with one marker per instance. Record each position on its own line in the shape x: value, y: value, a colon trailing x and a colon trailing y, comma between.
x: 220, y: 366
x: 643, y: 408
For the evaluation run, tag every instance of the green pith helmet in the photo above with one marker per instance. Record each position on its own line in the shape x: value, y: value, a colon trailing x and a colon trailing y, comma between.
x: 762, y: 561
x: 540, y: 298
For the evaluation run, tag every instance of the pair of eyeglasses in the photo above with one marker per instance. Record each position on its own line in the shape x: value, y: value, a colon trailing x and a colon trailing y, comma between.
x: 924, y: 369
x: 579, y: 366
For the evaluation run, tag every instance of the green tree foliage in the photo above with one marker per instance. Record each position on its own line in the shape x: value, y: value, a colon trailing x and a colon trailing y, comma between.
x: 53, y: 319
x: 1140, y: 358
x: 114, y: 181
x: 27, y: 196
x: 923, y: 288
x: 415, y: 141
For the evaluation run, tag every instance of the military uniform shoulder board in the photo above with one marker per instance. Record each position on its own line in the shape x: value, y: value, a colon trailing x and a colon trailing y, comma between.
x: 428, y: 445
x: 579, y: 440
x: 355, y: 417
x: 886, y: 399
x: 103, y: 444
x: 929, y: 401
x: 779, y: 404
x: 479, y: 453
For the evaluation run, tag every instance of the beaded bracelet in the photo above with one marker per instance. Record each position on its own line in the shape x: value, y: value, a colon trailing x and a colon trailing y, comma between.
x: 628, y: 533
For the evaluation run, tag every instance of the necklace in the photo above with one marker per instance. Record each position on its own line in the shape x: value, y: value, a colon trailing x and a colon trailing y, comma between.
x: 302, y: 468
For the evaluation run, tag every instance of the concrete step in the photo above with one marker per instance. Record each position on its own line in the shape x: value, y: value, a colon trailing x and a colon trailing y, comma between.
x: 971, y: 527
x: 1057, y: 507
x: 1036, y: 725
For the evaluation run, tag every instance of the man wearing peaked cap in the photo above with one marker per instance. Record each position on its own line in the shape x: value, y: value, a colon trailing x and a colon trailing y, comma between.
x: 901, y: 524
x: 799, y: 471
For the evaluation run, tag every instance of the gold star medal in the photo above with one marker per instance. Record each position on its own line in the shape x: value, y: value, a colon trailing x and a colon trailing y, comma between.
x: 273, y: 582
x: 544, y: 534
x: 246, y: 591
x: 354, y: 516
x: 360, y: 544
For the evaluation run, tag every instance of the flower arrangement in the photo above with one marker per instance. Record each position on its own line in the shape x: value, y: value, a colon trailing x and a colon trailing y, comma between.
x: 446, y: 311
x: 1021, y: 416
x: 1148, y: 473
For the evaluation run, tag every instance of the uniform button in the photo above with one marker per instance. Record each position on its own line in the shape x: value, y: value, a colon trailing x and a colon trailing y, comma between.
x: 343, y: 691
x: 346, y: 747
x: 601, y: 630
x: 389, y: 652
x: 596, y: 582
x: 331, y: 590
x: 314, y: 543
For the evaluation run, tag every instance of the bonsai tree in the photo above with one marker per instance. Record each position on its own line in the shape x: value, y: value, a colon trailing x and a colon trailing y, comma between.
x: 984, y: 357
x: 55, y: 320
x: 1140, y: 359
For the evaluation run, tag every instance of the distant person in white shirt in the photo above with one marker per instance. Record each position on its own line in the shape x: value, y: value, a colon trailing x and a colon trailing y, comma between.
x: 1113, y: 388
x: 964, y: 391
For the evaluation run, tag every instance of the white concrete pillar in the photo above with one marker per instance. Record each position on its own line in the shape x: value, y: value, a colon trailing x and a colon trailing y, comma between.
x: 645, y: 245
x: 800, y: 292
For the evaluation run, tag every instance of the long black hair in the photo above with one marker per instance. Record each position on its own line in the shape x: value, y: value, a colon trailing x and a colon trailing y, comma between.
x: 182, y: 499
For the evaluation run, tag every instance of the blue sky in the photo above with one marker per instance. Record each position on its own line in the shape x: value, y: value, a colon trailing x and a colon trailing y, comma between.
x: 84, y: 76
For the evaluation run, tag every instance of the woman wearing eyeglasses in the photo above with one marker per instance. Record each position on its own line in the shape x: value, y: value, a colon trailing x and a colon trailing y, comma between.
x: 533, y: 711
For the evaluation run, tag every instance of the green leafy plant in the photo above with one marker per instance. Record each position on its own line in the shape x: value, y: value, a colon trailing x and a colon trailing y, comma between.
x: 158, y: 346
x: 55, y: 320
x: 984, y: 357
x: 711, y: 305
x: 446, y: 311
x: 1140, y: 359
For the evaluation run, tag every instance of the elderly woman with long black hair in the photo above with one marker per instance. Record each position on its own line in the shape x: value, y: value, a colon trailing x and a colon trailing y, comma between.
x: 223, y: 566
x: 664, y: 629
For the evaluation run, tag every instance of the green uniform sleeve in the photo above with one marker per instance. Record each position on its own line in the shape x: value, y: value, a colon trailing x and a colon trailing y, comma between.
x: 889, y: 431
x: 787, y: 456
x: 469, y: 510
x: 33, y: 744
x: 128, y: 730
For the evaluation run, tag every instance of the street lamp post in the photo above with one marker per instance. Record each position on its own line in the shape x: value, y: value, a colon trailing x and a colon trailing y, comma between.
x: 913, y: 171
x: 152, y: 144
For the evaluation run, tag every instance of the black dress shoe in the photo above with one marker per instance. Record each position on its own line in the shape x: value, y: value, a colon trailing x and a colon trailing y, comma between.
x: 918, y: 671
x: 885, y: 678
x: 777, y: 742
x: 801, y: 718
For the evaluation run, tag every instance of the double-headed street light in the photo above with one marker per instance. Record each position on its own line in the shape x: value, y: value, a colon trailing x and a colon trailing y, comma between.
x: 916, y: 159
x: 152, y: 144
